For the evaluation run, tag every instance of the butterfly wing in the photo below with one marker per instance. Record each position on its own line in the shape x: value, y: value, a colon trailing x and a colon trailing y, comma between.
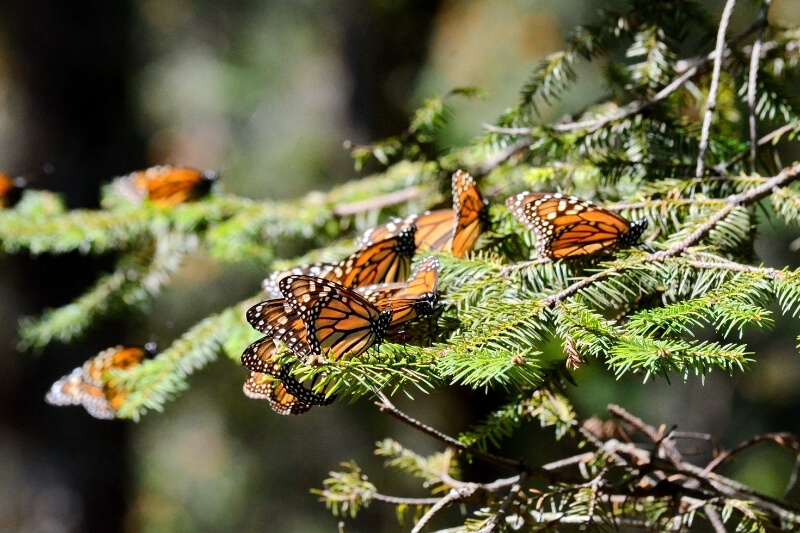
x: 260, y: 386
x: 386, y: 261
x: 338, y: 320
x: 277, y: 319
x: 407, y: 301
x: 317, y: 270
x: 261, y: 356
x: 10, y: 190
x: 471, y: 212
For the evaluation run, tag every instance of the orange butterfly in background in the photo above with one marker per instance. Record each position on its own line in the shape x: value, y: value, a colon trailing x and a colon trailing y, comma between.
x: 11, y: 190
x: 86, y: 386
x: 388, y: 260
x: 166, y: 185
x: 446, y: 230
x: 567, y: 227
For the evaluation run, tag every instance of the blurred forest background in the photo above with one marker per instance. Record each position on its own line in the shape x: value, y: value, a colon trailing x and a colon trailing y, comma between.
x: 266, y: 92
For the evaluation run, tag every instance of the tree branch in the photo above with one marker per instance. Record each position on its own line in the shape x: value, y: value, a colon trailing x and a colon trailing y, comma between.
x: 711, y: 103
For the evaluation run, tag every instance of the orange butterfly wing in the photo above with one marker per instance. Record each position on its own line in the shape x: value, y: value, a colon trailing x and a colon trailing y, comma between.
x: 444, y: 230
x: 386, y: 261
x: 472, y: 213
x: 260, y: 386
x: 166, y: 185
x: 409, y: 300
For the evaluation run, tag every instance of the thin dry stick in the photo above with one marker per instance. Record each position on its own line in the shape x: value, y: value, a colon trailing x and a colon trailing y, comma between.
x: 513, y: 493
x: 453, y: 496
x: 385, y: 405
x: 711, y: 103
x: 379, y: 202
x: 395, y: 500
x: 786, y: 440
x: 722, y: 168
x: 755, y: 56
x: 649, y: 431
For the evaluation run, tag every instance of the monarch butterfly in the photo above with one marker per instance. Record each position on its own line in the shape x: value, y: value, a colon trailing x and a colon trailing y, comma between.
x: 265, y: 387
x: 416, y: 297
x: 567, y: 227
x: 388, y: 260
x: 338, y: 320
x: 453, y: 230
x: 10, y: 190
x: 85, y: 385
x: 166, y: 185
x: 276, y: 384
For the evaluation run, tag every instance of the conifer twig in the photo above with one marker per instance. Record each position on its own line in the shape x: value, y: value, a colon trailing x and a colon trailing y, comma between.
x: 395, y: 500
x: 455, y: 495
x: 711, y: 102
x: 722, y: 168
x: 755, y: 56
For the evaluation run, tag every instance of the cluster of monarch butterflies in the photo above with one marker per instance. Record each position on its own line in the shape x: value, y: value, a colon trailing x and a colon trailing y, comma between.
x: 330, y: 311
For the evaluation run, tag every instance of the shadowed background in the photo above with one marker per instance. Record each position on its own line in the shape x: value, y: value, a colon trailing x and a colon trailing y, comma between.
x: 266, y: 92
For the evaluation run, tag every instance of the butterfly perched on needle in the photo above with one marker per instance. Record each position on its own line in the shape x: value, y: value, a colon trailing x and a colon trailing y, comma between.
x: 567, y: 227
x: 446, y: 230
x: 10, y: 190
x: 87, y: 386
x: 166, y: 185
x: 386, y: 261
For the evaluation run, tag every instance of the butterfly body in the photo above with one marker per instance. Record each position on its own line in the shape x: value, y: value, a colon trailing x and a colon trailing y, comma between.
x: 567, y: 227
